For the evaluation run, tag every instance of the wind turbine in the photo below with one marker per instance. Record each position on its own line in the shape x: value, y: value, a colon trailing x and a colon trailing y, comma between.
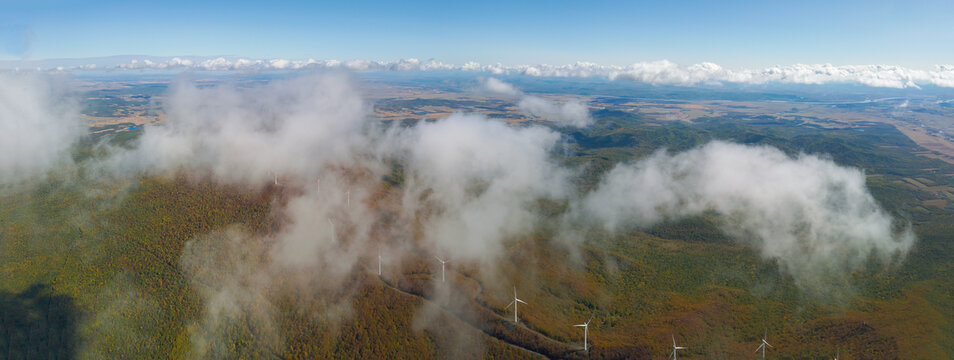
x: 442, y: 267
x: 514, y: 303
x: 586, y: 329
x: 674, y: 348
x: 764, y: 343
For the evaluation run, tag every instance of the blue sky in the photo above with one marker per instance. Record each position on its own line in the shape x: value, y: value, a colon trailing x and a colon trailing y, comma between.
x: 730, y: 33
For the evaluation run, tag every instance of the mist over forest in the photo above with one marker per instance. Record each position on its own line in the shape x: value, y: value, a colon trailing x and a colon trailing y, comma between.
x: 253, y: 220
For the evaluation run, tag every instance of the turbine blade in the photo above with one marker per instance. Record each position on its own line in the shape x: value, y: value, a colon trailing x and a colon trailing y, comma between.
x: 521, y: 301
x: 770, y: 345
x: 509, y: 305
x: 581, y: 325
x: 591, y: 318
x: 673, y: 341
x: 680, y: 348
x: 759, y: 348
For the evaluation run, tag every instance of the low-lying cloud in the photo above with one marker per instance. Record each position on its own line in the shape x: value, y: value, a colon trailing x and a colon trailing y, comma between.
x: 814, y: 217
x: 464, y: 187
x: 477, y: 180
x: 570, y: 113
x: 494, y: 86
x: 39, y: 124
x: 471, y: 183
x: 243, y: 134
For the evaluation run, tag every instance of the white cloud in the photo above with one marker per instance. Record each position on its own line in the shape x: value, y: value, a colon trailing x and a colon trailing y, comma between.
x: 245, y: 135
x: 38, y: 126
x: 476, y: 178
x: 817, y: 219
x: 479, y: 179
x: 662, y: 72
x: 943, y: 76
x: 469, y: 184
x: 490, y: 85
x: 571, y: 113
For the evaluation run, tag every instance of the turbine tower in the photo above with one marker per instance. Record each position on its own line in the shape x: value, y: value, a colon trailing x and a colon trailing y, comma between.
x: 334, y: 236
x: 585, y: 326
x: 674, y: 348
x: 379, y: 262
x: 836, y: 353
x: 763, y: 345
x: 442, y: 267
x: 514, y: 303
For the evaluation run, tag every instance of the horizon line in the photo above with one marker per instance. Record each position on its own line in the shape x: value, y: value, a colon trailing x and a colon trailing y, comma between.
x: 658, y: 72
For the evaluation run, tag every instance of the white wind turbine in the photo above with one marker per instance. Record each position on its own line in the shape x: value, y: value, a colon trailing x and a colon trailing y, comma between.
x: 514, y: 303
x: 763, y: 345
x: 442, y: 267
x: 586, y: 330
x: 674, y: 348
